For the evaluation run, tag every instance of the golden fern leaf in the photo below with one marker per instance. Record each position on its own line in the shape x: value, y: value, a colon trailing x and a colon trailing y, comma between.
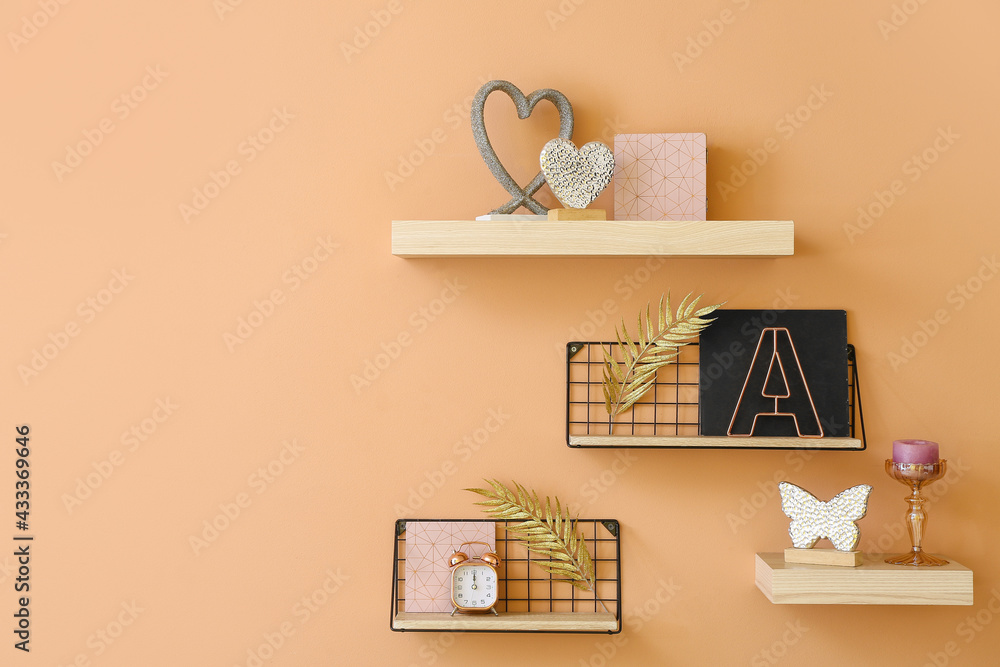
x: 548, y: 533
x: 627, y: 382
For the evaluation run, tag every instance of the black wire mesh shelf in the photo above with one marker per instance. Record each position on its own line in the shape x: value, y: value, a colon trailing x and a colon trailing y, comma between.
x: 667, y: 416
x: 530, y: 600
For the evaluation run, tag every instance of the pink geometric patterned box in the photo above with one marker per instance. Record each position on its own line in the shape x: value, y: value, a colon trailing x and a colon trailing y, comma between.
x: 660, y: 176
x: 429, y: 544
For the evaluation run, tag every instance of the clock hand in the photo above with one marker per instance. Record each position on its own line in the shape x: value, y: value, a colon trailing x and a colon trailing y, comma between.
x: 474, y: 586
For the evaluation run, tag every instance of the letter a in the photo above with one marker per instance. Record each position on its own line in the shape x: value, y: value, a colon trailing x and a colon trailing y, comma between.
x: 770, y: 391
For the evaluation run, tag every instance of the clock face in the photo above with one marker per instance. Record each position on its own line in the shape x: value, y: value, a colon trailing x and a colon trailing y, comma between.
x: 474, y: 586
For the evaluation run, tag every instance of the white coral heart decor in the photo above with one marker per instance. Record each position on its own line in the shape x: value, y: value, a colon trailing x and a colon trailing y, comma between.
x: 577, y: 176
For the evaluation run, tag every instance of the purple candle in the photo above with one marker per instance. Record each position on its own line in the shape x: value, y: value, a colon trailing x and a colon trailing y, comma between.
x: 914, y: 451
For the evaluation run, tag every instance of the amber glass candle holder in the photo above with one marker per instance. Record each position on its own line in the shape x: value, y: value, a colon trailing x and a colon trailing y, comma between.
x: 916, y: 475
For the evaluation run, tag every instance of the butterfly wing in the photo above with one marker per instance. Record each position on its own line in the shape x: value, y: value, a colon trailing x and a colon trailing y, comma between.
x: 802, y: 508
x: 851, y: 504
x: 841, y: 512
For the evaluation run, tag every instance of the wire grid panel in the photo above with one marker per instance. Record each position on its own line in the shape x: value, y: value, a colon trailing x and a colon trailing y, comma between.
x: 524, y: 587
x: 670, y: 408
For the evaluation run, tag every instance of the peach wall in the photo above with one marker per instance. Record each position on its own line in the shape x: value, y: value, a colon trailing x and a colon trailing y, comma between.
x: 316, y: 198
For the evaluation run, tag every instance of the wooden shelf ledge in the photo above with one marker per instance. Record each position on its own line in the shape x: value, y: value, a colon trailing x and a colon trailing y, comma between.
x: 508, y: 622
x: 872, y: 582
x: 712, y: 442
x: 611, y: 238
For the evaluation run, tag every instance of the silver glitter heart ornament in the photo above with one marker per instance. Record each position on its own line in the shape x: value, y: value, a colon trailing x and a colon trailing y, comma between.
x: 525, y: 105
x: 577, y: 176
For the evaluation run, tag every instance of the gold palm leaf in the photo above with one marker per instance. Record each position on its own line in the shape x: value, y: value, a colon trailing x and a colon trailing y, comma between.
x: 626, y: 382
x: 545, y: 530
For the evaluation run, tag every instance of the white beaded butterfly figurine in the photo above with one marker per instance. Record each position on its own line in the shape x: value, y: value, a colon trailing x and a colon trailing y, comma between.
x: 813, y: 519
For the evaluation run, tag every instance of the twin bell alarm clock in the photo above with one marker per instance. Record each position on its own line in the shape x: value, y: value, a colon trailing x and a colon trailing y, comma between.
x: 474, y: 581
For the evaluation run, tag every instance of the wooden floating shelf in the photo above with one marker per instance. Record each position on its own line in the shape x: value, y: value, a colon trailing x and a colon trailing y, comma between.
x: 612, y: 238
x: 872, y: 582
x: 712, y: 442
x: 509, y: 622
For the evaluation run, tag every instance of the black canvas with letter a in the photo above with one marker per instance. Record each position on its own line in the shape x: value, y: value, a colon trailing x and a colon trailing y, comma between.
x: 757, y: 379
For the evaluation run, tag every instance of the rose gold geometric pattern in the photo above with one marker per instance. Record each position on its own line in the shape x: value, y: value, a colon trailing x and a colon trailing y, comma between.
x: 429, y: 544
x: 661, y: 176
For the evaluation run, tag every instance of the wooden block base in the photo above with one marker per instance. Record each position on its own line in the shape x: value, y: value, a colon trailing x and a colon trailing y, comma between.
x: 873, y: 582
x: 565, y: 214
x: 823, y: 557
